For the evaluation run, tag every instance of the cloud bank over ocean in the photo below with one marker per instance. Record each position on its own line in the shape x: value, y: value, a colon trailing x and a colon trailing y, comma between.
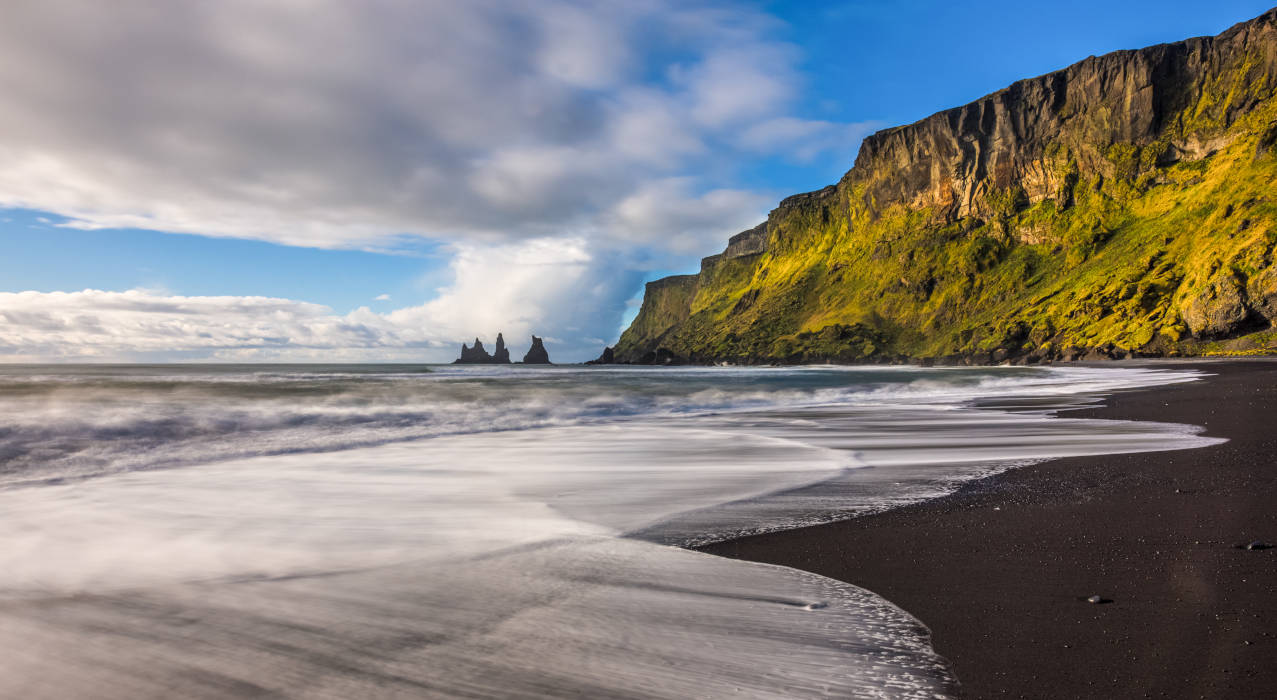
x: 541, y: 287
x: 608, y: 132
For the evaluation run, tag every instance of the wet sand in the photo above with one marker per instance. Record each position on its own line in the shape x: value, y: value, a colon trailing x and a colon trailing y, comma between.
x: 1001, y: 569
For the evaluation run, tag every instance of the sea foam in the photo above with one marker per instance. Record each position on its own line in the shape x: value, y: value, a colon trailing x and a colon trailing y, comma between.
x: 487, y: 532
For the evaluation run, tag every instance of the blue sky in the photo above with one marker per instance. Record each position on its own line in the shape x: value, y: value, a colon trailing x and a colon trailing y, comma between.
x: 401, y: 209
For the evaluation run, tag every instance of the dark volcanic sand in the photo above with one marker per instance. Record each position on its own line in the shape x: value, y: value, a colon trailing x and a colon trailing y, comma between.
x: 998, y: 570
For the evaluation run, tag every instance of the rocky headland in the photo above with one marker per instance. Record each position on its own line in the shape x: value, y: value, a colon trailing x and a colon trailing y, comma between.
x: 1124, y: 206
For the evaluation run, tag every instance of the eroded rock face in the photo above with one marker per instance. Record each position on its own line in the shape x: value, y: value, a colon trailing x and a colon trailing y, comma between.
x: 537, y: 354
x: 502, y: 354
x: 1261, y: 290
x: 1267, y: 145
x: 667, y: 303
x: 955, y: 162
x: 1219, y: 310
x: 476, y: 355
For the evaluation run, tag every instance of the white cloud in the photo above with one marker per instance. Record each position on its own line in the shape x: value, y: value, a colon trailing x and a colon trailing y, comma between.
x: 539, y: 286
x: 737, y: 85
x: 381, y: 297
x: 93, y: 324
x: 553, y: 147
x: 563, y: 287
x: 670, y: 215
x: 329, y: 123
x: 803, y: 140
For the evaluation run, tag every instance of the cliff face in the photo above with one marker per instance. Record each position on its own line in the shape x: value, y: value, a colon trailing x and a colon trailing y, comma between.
x: 1179, y: 99
x: 1126, y: 204
x: 667, y: 303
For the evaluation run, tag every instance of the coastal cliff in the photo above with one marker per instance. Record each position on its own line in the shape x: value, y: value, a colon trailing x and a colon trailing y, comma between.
x: 1126, y: 205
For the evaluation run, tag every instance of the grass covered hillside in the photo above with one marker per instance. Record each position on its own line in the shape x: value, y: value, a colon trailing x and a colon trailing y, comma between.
x: 1125, y: 205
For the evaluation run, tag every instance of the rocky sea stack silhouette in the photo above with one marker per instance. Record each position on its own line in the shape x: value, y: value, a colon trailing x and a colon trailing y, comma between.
x: 477, y: 355
x: 536, y: 354
x: 502, y: 354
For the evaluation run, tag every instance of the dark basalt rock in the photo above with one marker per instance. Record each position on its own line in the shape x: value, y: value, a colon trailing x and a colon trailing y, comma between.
x: 536, y: 354
x: 607, y: 358
x: 502, y: 354
x: 473, y: 356
x: 477, y: 355
x: 661, y: 356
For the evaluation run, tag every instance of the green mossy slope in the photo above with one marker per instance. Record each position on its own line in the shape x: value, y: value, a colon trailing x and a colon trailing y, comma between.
x: 1126, y: 205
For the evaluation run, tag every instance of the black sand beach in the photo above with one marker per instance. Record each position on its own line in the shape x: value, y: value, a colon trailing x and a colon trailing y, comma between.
x: 1001, y: 569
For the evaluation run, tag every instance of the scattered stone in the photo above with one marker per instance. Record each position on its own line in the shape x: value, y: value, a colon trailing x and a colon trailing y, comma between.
x: 1098, y: 600
x: 1256, y: 546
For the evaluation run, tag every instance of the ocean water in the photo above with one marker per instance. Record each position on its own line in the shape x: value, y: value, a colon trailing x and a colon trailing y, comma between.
x: 487, y: 532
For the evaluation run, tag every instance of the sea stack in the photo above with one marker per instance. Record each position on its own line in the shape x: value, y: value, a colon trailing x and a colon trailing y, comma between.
x: 473, y: 356
x: 477, y: 355
x: 536, y: 354
x: 501, y: 355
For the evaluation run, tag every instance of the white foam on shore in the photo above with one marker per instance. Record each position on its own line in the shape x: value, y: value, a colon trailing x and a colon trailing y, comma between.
x: 493, y: 563
x: 454, y: 567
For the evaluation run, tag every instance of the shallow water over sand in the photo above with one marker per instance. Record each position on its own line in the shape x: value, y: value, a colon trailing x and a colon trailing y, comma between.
x: 486, y: 531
